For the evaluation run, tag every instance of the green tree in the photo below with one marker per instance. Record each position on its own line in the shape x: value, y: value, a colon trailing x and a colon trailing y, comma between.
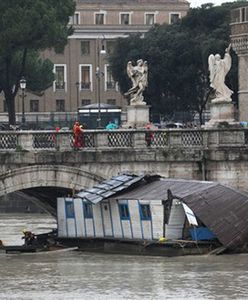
x: 26, y: 28
x: 177, y: 57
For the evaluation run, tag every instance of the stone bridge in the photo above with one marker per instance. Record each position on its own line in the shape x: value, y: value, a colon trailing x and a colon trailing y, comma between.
x: 45, y: 165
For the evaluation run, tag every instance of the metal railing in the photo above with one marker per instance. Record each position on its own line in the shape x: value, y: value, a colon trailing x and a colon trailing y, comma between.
x: 121, y: 138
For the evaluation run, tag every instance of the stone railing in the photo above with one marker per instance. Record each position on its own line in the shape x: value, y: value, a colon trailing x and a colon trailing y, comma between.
x: 103, y: 139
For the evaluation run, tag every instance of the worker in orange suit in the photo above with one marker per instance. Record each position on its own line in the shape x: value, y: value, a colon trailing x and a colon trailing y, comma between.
x: 78, y: 132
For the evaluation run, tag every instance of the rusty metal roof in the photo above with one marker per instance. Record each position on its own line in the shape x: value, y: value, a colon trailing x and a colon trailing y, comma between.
x: 222, y: 209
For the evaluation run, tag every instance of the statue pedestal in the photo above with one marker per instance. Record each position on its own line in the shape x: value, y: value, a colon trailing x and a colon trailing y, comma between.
x: 221, y: 111
x: 137, y: 115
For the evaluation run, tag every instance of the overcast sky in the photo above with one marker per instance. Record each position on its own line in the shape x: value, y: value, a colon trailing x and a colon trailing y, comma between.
x: 195, y: 3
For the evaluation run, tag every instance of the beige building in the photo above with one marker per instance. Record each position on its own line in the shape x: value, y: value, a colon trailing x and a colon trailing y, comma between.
x: 239, y: 39
x: 82, y: 73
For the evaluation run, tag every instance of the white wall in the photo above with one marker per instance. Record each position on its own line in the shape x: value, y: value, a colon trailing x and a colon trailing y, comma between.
x: 174, y: 229
x: 106, y: 221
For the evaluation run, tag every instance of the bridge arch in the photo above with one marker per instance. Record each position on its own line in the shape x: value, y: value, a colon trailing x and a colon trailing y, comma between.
x: 46, y: 176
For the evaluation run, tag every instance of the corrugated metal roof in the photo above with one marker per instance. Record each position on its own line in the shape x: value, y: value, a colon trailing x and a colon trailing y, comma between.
x: 222, y: 209
x: 109, y: 187
x: 157, y: 190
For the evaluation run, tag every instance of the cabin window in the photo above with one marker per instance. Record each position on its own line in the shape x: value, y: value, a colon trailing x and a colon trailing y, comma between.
x: 69, y: 209
x: 88, y: 211
x: 124, y: 212
x: 145, y: 212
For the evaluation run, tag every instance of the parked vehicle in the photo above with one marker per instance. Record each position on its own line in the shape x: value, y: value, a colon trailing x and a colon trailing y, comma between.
x: 174, y: 125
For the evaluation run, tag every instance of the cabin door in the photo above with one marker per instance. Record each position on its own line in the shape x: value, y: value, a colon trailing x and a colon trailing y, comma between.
x: 107, y: 219
x: 174, y: 228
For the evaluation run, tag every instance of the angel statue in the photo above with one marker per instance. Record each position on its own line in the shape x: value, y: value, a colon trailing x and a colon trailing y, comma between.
x: 218, y: 70
x: 138, y: 75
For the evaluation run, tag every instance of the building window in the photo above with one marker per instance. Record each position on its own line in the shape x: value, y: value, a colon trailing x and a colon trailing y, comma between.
x: 69, y: 209
x: 59, y: 71
x: 99, y: 18
x: 111, y: 101
x: 174, y: 18
x: 34, y: 105
x: 145, y: 212
x: 88, y: 211
x: 125, y: 19
x: 124, y: 212
x: 5, y: 107
x: 85, y: 47
x: 110, y: 83
x: 85, y: 75
x: 85, y: 102
x: 75, y: 19
x: 243, y: 14
x: 149, y: 19
x: 60, y: 105
x: 110, y: 46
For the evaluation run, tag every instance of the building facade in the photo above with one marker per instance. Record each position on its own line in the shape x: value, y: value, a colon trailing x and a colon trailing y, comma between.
x: 239, y: 39
x: 82, y: 73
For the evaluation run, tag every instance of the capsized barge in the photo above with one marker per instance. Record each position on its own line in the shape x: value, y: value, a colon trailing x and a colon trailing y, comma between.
x: 151, y: 215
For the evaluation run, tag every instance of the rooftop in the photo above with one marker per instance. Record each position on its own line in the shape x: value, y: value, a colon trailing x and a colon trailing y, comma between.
x: 222, y: 209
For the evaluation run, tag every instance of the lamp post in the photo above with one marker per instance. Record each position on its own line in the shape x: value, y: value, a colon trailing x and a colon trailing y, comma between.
x: 23, y: 87
x: 99, y: 74
x: 77, y: 87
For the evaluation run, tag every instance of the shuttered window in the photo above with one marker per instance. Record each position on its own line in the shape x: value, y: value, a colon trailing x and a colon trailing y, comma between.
x: 124, y: 212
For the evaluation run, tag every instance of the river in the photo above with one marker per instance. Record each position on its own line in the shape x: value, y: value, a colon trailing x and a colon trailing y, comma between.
x: 80, y: 275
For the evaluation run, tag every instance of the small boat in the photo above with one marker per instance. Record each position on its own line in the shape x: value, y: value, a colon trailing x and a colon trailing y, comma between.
x: 17, y: 249
x: 46, y: 242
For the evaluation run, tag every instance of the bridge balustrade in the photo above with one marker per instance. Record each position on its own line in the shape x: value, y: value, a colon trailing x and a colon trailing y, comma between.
x: 103, y: 139
x: 8, y: 141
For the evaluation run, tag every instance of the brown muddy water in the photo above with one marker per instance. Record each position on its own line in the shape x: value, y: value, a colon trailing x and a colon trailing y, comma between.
x: 80, y: 275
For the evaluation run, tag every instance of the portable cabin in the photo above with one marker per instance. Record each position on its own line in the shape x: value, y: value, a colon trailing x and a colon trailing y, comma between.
x: 147, y: 208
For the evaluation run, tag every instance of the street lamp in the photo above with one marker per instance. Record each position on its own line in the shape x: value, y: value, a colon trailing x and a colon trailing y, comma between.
x: 23, y: 87
x: 77, y: 87
x: 99, y: 74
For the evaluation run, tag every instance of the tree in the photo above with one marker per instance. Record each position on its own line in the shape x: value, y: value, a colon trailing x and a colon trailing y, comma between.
x: 177, y: 57
x: 26, y: 28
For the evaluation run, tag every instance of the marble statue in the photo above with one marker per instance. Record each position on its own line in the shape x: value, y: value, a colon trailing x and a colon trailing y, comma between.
x: 138, y: 75
x: 218, y: 70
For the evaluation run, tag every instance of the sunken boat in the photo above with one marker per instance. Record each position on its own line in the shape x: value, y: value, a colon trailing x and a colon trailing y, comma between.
x: 151, y: 215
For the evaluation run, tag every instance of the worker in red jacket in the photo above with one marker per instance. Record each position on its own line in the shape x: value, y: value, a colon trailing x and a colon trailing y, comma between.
x: 78, y: 138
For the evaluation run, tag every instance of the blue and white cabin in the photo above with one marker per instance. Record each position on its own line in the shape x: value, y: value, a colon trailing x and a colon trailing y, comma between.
x: 126, y: 215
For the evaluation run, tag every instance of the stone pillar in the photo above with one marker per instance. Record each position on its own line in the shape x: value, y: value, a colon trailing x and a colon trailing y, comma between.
x: 243, y: 88
x: 139, y: 140
x: 221, y: 111
x: 63, y: 141
x: 137, y: 115
x: 101, y: 139
x: 25, y: 141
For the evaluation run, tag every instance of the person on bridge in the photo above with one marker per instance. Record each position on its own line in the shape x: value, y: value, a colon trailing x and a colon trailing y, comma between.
x: 78, y: 137
x: 111, y: 126
x: 149, y: 136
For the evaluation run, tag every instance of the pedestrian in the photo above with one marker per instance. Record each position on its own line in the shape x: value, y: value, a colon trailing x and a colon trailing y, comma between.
x: 57, y: 129
x: 111, y: 139
x: 149, y: 136
x: 111, y: 126
x: 78, y: 138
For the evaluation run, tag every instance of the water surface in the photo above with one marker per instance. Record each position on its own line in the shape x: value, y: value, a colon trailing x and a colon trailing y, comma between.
x: 80, y: 275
